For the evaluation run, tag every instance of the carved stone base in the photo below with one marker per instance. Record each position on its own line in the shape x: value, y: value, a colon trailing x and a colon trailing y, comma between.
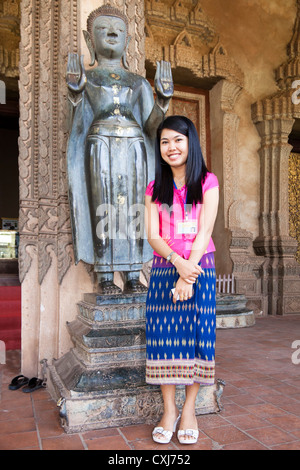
x: 247, y: 269
x: 280, y: 275
x: 232, y: 312
x: 101, y: 381
x: 131, y: 403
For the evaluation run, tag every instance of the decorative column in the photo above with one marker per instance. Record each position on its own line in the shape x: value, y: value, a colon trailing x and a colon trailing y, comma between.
x: 280, y: 273
x: 234, y: 243
x: 51, y: 283
x: 274, y: 118
x: 48, y: 31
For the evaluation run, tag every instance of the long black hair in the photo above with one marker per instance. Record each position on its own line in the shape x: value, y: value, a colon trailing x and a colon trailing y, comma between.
x: 196, y: 169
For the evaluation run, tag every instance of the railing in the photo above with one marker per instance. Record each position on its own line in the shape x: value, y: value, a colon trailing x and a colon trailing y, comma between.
x: 225, y: 284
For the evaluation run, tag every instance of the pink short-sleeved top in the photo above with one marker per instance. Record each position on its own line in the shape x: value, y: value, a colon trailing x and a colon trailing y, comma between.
x: 169, y: 229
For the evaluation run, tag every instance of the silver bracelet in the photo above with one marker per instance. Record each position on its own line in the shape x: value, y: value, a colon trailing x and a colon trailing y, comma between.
x: 175, y: 260
x: 170, y: 256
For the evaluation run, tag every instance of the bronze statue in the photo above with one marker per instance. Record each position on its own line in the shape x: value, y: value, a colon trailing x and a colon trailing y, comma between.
x: 111, y: 150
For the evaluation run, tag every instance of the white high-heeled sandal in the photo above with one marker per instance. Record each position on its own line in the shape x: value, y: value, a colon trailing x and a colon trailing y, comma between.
x: 167, y: 435
x: 193, y: 435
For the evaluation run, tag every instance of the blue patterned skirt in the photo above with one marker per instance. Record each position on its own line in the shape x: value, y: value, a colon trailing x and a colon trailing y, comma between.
x: 180, y: 338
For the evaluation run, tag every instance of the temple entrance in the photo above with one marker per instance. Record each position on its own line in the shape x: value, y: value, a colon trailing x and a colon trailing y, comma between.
x: 10, y: 289
x: 9, y: 190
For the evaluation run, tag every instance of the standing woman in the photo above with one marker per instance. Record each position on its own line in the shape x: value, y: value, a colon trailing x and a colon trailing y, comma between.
x: 181, y: 208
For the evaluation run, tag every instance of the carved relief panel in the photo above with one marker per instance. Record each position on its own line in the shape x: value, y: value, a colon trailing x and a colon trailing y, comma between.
x: 294, y: 198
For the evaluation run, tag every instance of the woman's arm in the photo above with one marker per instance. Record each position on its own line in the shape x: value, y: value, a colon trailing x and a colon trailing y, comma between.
x: 187, y: 270
x: 208, y: 216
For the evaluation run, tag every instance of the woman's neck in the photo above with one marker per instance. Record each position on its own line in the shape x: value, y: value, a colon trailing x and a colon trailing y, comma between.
x: 179, y: 176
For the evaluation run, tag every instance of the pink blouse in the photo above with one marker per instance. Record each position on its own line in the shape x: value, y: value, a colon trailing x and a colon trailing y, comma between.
x: 169, y: 229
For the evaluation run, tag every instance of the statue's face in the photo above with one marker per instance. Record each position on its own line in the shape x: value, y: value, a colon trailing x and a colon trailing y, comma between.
x: 109, y: 36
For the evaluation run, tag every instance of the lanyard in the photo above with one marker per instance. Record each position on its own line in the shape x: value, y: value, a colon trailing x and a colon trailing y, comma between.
x: 184, y: 202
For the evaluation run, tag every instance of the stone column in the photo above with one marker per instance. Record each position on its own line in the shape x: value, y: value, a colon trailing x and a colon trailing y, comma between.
x: 224, y: 128
x: 280, y: 274
x: 274, y: 117
x: 51, y: 283
x: 48, y: 31
x: 234, y: 243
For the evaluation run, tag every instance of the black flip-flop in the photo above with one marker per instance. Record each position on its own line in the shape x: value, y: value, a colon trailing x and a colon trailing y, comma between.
x: 18, y: 382
x: 34, y: 384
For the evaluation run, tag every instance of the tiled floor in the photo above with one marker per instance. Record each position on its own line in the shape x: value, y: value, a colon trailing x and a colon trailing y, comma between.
x: 261, y: 401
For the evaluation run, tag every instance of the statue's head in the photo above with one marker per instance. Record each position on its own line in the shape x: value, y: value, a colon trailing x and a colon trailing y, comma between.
x: 107, y: 34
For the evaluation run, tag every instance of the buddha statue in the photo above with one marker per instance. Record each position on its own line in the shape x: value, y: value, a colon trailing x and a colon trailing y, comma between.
x: 110, y: 153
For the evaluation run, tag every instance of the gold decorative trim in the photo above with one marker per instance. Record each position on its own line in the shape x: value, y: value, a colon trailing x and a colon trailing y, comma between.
x: 294, y: 199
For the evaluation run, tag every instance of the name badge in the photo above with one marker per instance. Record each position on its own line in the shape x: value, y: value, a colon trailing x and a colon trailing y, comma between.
x: 187, y: 227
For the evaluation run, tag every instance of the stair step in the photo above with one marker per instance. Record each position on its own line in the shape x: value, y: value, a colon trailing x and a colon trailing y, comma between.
x: 10, y: 307
x: 10, y: 293
x: 10, y: 316
x: 9, y: 280
x: 9, y: 322
x: 11, y: 338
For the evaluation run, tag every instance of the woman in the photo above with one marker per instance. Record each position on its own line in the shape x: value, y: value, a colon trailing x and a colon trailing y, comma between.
x: 181, y: 208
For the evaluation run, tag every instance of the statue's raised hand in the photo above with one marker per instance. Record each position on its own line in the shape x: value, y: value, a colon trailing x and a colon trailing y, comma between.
x: 75, y: 76
x: 163, y: 81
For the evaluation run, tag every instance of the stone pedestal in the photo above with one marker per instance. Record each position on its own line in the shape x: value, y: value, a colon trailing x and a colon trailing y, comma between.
x: 232, y: 312
x: 101, y: 381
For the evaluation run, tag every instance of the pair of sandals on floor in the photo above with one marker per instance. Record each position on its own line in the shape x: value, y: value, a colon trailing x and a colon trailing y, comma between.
x: 187, y: 436
x: 29, y: 385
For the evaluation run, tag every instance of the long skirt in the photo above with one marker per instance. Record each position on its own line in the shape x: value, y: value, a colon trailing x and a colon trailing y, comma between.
x: 180, y: 338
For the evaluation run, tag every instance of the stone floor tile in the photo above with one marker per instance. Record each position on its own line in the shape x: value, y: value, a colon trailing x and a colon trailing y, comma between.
x: 244, y: 422
x: 265, y: 410
x: 247, y: 399
x: 142, y: 431
x: 19, y: 441
x: 251, y: 444
x: 210, y: 421
x: 287, y: 423
x: 100, y: 433
x: 17, y: 426
x: 271, y: 435
x: 64, y: 442
x: 107, y: 443
x: 233, y: 409
x: 226, y: 435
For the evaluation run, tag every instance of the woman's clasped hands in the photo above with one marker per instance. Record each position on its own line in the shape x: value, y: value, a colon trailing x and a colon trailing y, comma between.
x: 188, y: 271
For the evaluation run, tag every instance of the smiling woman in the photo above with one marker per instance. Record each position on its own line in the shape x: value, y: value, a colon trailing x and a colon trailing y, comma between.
x: 181, y: 205
x: 174, y: 151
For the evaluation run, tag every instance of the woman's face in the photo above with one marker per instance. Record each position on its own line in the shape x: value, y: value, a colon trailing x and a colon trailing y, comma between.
x: 174, y: 148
